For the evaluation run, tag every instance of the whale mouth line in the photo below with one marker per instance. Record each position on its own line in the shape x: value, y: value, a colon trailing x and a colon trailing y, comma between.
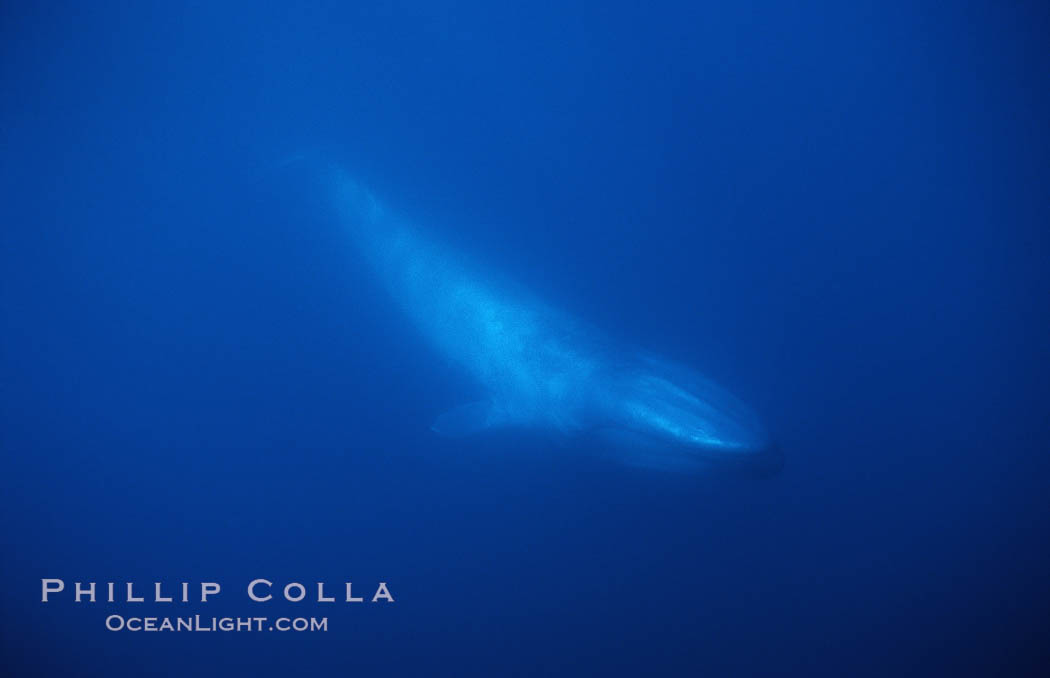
x: 643, y: 449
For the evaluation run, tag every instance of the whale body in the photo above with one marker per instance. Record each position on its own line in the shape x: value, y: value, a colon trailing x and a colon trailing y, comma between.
x: 542, y: 368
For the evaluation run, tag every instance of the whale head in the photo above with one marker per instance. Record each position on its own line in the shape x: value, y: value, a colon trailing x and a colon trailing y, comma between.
x: 662, y: 416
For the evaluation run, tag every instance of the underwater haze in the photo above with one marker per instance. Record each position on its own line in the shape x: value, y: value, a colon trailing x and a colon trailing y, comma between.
x: 627, y: 251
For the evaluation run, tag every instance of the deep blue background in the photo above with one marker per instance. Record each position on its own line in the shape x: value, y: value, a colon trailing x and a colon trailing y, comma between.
x: 839, y: 210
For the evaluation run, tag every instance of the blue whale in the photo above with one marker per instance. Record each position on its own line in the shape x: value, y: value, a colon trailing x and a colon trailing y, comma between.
x: 542, y: 368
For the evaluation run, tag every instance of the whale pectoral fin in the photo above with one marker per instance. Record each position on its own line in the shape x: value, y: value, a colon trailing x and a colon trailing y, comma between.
x: 465, y: 420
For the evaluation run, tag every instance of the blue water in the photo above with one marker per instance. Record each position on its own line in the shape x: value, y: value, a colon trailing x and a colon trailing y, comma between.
x: 838, y: 211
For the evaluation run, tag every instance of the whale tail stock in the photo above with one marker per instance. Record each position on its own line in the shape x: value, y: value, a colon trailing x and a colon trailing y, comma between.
x: 356, y: 204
